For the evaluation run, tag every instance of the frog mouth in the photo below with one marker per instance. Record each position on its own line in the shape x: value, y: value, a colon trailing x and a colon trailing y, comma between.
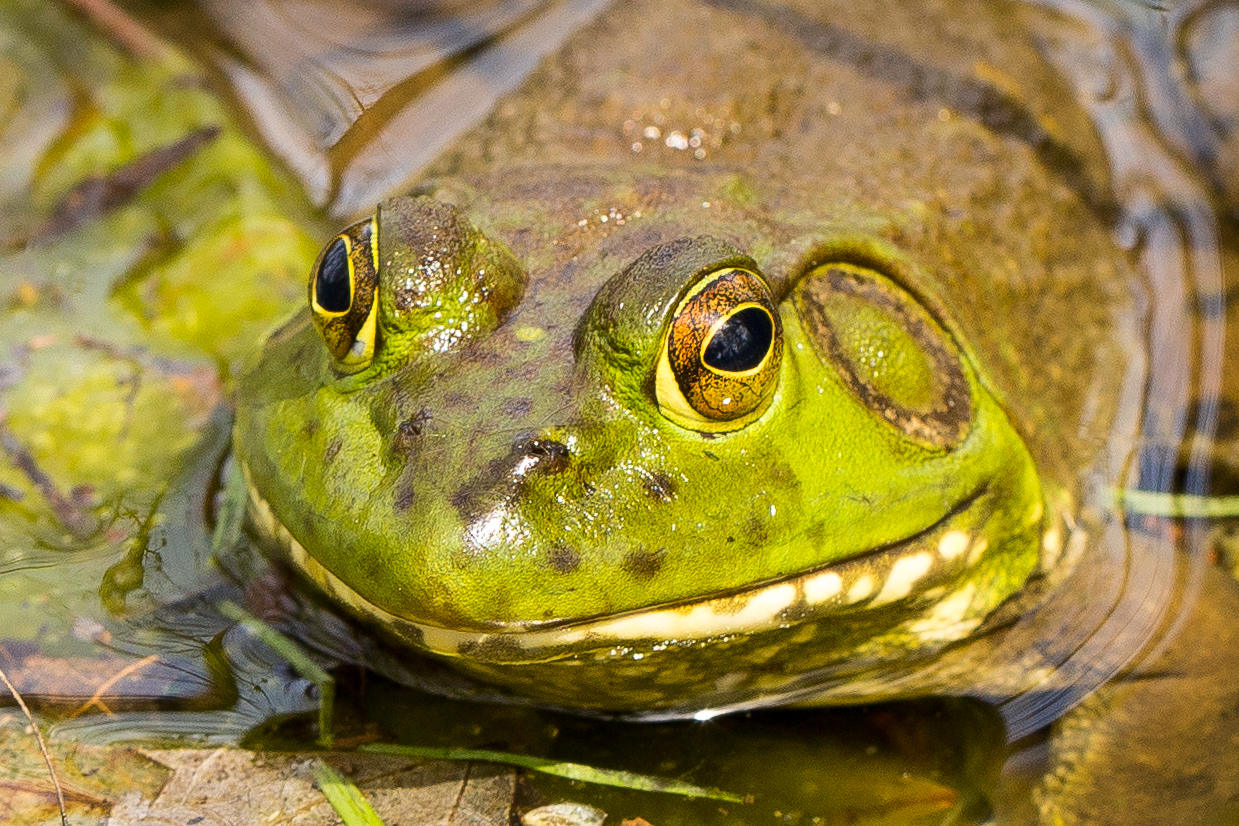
x: 922, y: 577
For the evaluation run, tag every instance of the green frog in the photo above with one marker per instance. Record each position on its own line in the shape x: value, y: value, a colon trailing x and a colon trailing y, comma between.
x: 775, y: 369
x: 752, y: 354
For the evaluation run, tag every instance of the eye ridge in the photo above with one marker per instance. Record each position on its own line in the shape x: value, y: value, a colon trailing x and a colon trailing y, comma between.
x: 740, y: 342
x: 333, y: 288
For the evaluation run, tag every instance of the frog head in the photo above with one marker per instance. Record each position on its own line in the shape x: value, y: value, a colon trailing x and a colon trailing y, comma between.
x: 695, y: 452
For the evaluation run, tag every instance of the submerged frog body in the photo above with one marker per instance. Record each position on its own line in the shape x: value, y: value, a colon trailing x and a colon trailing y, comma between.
x: 622, y: 427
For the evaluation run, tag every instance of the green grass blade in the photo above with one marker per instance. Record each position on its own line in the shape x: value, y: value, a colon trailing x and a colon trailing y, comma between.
x: 1175, y: 505
x: 298, y: 659
x: 344, y: 796
x: 572, y: 771
x: 230, y: 520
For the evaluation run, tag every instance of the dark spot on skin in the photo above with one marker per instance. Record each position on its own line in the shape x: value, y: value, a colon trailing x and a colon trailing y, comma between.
x: 552, y: 456
x: 497, y: 649
x: 498, y: 480
x: 408, y: 431
x: 311, y: 428
x: 401, y: 398
x: 500, y: 469
x: 458, y: 400
x: 333, y: 449
x: 659, y: 486
x: 482, y: 358
x: 563, y: 560
x: 758, y: 531
x: 404, y: 496
x: 524, y: 373
x: 464, y: 502
x: 644, y: 564
x: 490, y: 485
x: 517, y: 408
x: 816, y: 534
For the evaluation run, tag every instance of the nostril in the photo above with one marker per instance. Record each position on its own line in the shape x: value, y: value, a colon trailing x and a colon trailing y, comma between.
x: 408, y: 432
x: 549, y: 455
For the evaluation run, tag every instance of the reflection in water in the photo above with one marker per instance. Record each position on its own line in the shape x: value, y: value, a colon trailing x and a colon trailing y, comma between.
x: 358, y: 107
x: 358, y: 98
x: 1208, y: 42
x: 1119, y: 65
x: 925, y: 762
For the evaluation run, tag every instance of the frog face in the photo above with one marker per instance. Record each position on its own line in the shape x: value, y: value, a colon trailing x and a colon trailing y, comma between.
x: 695, y: 453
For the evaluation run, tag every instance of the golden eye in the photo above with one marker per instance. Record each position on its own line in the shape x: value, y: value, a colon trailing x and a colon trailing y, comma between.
x: 720, y: 363
x: 343, y: 284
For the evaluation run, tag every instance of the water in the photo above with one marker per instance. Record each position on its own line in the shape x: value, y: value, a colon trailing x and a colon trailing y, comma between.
x: 112, y: 334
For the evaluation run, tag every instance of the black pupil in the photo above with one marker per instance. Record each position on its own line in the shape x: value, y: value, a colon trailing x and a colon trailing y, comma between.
x: 742, y: 342
x: 331, y: 287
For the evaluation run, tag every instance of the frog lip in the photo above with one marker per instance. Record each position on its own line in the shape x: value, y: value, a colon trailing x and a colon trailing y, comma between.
x: 916, y: 572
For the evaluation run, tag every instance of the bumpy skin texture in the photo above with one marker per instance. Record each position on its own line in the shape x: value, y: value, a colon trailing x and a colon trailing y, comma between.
x: 501, y: 486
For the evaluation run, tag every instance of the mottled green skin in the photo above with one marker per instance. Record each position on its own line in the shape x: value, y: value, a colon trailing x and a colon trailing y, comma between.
x: 642, y: 511
x: 503, y: 467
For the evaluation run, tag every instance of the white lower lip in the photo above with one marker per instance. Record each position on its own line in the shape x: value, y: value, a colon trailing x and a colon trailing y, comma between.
x: 927, y: 565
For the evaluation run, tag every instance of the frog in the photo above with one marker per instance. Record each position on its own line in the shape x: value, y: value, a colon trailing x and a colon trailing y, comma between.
x: 685, y: 395
x: 946, y: 192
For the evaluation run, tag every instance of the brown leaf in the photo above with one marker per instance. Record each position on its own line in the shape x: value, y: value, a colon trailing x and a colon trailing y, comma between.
x: 32, y: 801
x: 235, y: 786
x: 93, y: 777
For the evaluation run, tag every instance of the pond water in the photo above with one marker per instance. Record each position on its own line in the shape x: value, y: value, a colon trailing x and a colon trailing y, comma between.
x: 168, y: 175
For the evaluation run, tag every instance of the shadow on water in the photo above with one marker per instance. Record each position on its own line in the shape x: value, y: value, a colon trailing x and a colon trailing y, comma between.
x: 933, y: 761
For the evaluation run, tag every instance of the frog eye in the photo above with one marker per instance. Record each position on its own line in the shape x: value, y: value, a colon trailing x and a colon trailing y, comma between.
x: 720, y: 363
x: 889, y: 350
x: 342, y: 288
